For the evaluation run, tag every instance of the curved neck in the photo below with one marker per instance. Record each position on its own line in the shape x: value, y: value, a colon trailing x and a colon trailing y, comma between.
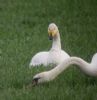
x: 72, y: 60
x: 56, y: 42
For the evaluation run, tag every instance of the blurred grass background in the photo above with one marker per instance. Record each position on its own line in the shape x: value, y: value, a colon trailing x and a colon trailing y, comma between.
x: 23, y: 32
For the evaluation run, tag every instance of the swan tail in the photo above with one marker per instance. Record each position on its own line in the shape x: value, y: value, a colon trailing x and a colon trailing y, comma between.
x: 94, y: 59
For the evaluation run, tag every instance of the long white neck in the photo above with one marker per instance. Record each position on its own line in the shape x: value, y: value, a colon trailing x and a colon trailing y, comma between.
x: 56, y: 42
x: 72, y: 60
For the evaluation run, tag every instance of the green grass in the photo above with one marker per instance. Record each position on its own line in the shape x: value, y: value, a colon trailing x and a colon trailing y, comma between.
x: 23, y: 32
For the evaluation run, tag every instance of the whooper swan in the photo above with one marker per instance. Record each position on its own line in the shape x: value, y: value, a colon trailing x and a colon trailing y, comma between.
x: 88, y: 68
x: 56, y: 55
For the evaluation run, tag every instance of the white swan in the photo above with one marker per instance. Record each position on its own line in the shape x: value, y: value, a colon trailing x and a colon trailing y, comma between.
x: 88, y: 68
x: 55, y: 55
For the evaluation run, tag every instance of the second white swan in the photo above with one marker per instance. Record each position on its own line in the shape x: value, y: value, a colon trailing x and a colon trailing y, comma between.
x: 88, y: 68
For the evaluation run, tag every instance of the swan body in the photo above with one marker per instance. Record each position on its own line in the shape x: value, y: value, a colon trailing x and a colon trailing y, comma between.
x: 88, y: 68
x: 55, y: 55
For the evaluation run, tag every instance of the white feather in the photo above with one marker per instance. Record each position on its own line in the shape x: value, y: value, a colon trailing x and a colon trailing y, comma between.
x: 39, y: 59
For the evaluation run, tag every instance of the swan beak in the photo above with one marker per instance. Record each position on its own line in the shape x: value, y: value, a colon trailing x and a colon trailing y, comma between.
x: 35, y: 81
x: 50, y: 37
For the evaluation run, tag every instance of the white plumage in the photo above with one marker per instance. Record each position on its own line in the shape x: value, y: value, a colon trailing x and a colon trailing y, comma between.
x: 55, y: 55
x: 39, y: 59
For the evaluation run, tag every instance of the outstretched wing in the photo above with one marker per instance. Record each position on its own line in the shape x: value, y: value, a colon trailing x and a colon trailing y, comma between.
x: 39, y: 59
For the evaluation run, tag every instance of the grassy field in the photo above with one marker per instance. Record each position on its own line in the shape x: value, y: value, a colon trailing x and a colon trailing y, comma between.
x: 23, y: 32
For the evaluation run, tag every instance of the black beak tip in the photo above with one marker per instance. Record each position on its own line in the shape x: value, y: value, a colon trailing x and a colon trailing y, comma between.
x: 50, y: 37
x: 35, y: 81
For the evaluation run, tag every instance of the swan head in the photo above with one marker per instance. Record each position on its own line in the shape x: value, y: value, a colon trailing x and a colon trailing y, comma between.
x: 52, y: 30
x: 40, y: 78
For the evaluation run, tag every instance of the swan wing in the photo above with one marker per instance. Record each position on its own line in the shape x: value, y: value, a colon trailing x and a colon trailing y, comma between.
x: 39, y: 59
